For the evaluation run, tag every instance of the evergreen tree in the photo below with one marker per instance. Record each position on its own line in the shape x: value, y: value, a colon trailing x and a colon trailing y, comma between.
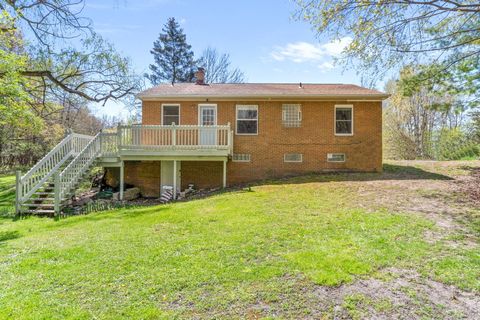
x: 173, y: 56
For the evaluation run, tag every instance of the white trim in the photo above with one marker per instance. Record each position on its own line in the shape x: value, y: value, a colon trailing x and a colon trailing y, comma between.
x: 207, y: 105
x: 264, y: 96
x: 288, y: 161
x: 342, y: 106
x: 170, y: 105
x: 236, y: 119
x: 336, y: 153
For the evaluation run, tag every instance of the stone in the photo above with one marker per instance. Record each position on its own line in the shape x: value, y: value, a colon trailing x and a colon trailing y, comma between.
x: 116, y: 196
x: 131, y: 194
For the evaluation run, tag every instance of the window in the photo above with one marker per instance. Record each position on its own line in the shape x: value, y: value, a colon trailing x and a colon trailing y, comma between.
x: 170, y: 114
x: 336, y: 157
x: 247, y: 119
x: 241, y: 157
x: 291, y: 115
x: 292, y: 157
x: 344, y: 120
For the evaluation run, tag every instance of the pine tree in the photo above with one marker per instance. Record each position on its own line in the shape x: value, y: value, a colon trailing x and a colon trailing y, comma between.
x: 174, y: 61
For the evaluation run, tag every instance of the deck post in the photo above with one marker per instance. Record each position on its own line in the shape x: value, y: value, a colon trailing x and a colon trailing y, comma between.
x: 56, y: 188
x: 224, y: 173
x: 174, y: 179
x: 18, y: 190
x: 122, y: 178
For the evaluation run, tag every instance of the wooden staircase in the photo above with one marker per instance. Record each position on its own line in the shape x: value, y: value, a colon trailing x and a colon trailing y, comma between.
x: 38, y: 191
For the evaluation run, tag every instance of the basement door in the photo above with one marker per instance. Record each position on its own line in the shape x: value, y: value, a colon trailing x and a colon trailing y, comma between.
x: 207, y: 116
x: 166, y: 175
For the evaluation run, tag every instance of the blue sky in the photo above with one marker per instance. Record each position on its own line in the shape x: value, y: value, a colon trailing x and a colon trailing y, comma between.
x: 261, y: 36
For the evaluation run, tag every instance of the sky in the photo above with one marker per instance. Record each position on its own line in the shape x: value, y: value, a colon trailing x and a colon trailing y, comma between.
x: 262, y: 38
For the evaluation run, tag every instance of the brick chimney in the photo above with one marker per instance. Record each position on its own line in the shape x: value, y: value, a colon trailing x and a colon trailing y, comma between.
x: 200, y: 76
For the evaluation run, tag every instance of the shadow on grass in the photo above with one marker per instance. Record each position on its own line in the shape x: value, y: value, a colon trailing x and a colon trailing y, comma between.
x: 390, y: 172
x: 8, y: 235
x: 113, y: 214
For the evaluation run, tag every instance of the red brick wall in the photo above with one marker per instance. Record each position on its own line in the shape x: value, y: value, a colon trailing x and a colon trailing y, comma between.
x: 314, y: 139
x: 145, y: 175
x: 203, y: 174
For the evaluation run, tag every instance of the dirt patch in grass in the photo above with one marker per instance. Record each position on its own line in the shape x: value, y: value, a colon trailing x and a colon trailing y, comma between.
x: 392, y: 294
x: 447, y: 193
x: 405, y: 295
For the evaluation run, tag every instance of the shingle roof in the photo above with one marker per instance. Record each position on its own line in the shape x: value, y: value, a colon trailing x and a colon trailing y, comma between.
x: 266, y: 90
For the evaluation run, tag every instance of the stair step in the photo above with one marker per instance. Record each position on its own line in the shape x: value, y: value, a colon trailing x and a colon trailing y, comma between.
x: 42, y: 199
x: 40, y: 211
x: 44, y: 193
x: 48, y: 205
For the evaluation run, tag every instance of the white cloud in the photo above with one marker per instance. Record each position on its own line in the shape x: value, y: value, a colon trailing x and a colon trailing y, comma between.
x: 325, y: 66
x: 310, y: 52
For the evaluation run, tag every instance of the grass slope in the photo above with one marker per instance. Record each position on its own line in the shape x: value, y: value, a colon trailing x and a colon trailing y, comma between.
x: 7, y: 195
x: 210, y: 257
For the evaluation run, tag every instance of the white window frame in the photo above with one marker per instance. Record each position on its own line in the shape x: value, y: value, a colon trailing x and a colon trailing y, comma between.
x: 342, y: 106
x: 171, y: 105
x: 299, y: 116
x: 290, y: 161
x: 238, y: 106
x: 207, y: 105
x: 248, y: 154
x: 337, y: 153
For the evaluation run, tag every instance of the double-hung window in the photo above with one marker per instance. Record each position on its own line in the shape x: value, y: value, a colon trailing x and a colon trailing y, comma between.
x: 291, y: 115
x: 247, y: 119
x: 170, y: 114
x: 344, y: 120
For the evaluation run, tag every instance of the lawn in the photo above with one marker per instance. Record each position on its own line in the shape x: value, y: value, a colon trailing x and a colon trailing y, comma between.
x: 294, y: 248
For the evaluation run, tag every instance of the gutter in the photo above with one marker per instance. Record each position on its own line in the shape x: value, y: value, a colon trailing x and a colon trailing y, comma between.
x: 193, y: 97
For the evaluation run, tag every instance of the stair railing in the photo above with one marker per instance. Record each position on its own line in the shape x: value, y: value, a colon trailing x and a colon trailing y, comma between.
x: 67, y: 179
x: 31, y: 181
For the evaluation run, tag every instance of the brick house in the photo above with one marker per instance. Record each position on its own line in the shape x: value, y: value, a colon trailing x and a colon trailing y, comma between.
x: 214, y: 135
x: 246, y: 132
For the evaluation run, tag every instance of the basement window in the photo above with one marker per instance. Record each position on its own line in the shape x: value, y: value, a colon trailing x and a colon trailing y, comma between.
x: 293, y: 157
x: 241, y: 157
x: 335, y: 157
x: 291, y: 115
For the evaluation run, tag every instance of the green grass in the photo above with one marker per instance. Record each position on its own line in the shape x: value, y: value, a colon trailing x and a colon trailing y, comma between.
x: 214, y: 257
x: 7, y: 195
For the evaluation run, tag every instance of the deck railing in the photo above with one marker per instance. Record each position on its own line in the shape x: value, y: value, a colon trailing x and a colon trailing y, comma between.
x: 69, y: 177
x: 187, y: 137
x: 31, y: 181
x: 109, y: 144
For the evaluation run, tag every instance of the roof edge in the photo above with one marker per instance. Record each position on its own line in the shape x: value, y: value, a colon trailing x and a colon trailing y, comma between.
x: 186, y: 97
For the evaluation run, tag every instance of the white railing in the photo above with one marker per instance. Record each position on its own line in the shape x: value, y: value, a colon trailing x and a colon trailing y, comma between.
x: 44, y: 168
x: 109, y: 144
x: 175, y: 137
x: 68, y: 178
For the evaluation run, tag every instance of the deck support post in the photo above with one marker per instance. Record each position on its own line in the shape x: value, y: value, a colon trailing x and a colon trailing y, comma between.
x: 18, y: 190
x: 174, y: 179
x: 224, y: 173
x: 122, y: 178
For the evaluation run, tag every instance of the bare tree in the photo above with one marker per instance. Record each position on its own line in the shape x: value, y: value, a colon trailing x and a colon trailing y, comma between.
x: 390, y: 33
x: 217, y: 68
x: 93, y: 71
